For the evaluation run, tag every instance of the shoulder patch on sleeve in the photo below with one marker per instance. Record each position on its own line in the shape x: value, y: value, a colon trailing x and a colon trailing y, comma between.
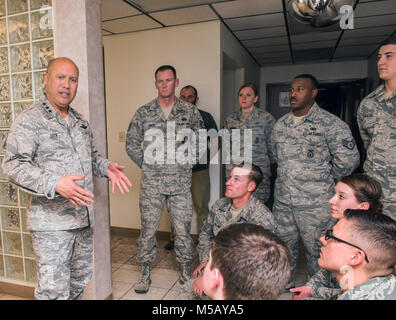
x: 349, y: 144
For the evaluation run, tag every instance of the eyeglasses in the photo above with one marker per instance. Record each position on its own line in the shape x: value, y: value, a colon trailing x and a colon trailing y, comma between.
x: 329, y: 235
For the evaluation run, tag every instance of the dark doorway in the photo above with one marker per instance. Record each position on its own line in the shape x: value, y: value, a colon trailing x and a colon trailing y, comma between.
x: 341, y: 97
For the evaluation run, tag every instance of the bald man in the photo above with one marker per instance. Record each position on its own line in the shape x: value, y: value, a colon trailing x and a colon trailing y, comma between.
x: 50, y: 155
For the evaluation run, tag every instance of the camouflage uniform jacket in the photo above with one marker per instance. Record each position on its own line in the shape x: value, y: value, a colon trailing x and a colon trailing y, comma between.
x: 378, y: 288
x: 220, y: 215
x: 311, y: 156
x: 377, y: 124
x: 140, y: 141
x: 41, y: 148
x: 261, y: 123
x: 324, y: 285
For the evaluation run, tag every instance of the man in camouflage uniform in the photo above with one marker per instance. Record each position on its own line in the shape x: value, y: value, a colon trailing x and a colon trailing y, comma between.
x: 360, y: 251
x: 50, y: 154
x: 165, y: 177
x: 200, y: 181
x: 261, y: 123
x: 238, y: 205
x: 313, y: 148
x: 377, y: 124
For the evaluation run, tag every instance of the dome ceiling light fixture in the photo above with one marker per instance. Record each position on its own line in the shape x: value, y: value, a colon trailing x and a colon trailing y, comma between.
x: 317, y: 13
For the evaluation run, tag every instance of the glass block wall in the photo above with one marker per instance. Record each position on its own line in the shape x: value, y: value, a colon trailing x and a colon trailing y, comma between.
x: 26, y: 46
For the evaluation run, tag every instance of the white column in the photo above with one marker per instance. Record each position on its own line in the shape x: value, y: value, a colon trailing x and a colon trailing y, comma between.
x: 78, y: 36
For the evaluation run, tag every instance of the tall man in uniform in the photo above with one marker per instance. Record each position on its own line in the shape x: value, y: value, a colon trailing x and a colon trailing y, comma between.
x: 200, y: 184
x: 377, y: 124
x: 313, y: 148
x: 165, y: 176
x: 50, y: 155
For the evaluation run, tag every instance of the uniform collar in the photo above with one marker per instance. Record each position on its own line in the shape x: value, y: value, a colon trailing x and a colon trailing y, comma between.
x: 50, y: 112
x: 253, y: 114
x: 310, y: 116
x: 176, y: 109
x: 245, y: 209
x: 379, y: 94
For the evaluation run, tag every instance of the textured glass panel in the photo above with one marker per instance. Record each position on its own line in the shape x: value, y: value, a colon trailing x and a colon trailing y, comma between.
x: 18, y: 28
x: 3, y: 59
x: 31, y: 273
x: 14, y: 267
x: 20, y: 58
x: 24, y: 221
x: 5, y: 115
x: 39, y: 83
x: 37, y: 4
x: 10, y: 219
x: 27, y: 246
x: 20, y: 106
x: 2, y: 8
x: 43, y: 52
x: 23, y: 198
x: 12, y: 243
x: 3, y: 32
x: 40, y: 27
x: 3, y: 138
x: 1, y: 265
x: 4, y: 88
x: 8, y: 194
x: 2, y: 176
x: 22, y: 86
x: 16, y: 6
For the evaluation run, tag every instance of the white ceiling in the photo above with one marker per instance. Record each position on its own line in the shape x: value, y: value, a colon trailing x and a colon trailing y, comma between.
x: 263, y: 27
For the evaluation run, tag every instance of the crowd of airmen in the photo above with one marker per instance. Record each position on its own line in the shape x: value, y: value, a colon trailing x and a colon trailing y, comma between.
x: 50, y: 154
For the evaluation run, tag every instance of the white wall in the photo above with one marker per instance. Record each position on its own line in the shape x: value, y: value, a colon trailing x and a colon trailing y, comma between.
x: 322, y: 71
x: 130, y: 62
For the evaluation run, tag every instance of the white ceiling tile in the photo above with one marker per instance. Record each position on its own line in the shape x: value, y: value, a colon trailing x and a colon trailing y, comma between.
x: 380, y: 32
x: 186, y: 15
x: 273, y: 61
x: 314, y: 45
x: 375, y: 8
x: 112, y: 9
x: 384, y: 20
x: 155, y: 5
x: 266, y: 20
x: 360, y: 41
x: 319, y: 36
x: 261, y: 33
x: 265, y: 42
x: 266, y: 49
x: 267, y: 55
x: 355, y: 51
x: 247, y: 7
x: 134, y: 23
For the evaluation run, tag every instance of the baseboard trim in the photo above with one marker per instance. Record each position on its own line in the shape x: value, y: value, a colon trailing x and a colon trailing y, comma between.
x: 17, y: 288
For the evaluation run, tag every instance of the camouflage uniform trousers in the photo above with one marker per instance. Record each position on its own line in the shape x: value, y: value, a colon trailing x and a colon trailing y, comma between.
x: 180, y: 210
x: 64, y: 263
x: 200, y: 191
x: 307, y: 223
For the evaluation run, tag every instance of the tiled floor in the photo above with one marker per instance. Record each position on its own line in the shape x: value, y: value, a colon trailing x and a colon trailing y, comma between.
x: 164, y: 273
